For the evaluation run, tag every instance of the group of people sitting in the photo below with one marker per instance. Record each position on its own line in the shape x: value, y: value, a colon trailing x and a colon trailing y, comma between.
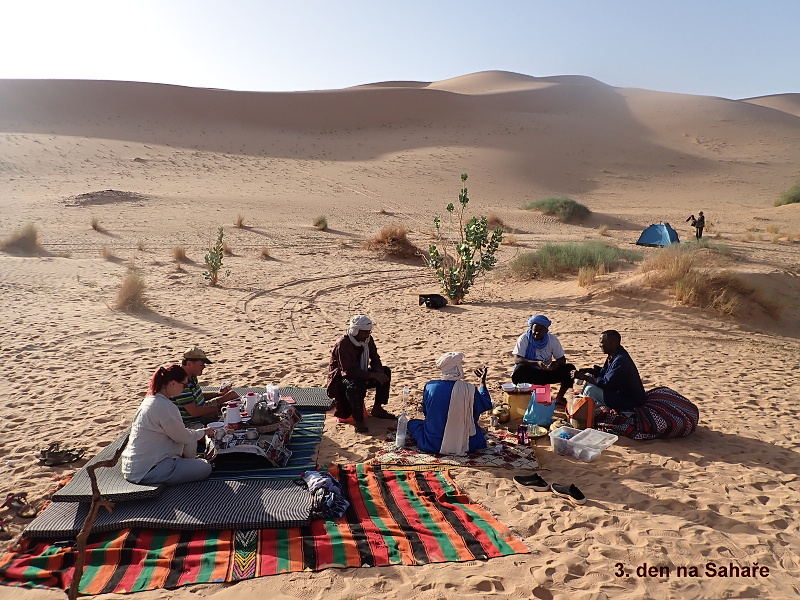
x: 162, y: 449
x: 452, y: 406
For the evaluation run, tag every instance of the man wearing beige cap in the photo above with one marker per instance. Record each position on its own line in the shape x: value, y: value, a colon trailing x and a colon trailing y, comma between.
x: 194, y: 404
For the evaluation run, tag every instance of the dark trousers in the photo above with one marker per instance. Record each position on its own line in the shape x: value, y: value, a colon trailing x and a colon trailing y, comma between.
x: 355, y: 390
x: 698, y: 232
x: 527, y: 374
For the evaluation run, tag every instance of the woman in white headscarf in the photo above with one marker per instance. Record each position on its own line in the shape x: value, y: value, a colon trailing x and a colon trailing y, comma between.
x: 451, y: 407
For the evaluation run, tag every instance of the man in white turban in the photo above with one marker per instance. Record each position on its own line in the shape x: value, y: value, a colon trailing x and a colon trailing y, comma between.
x: 452, y: 408
x: 354, y: 367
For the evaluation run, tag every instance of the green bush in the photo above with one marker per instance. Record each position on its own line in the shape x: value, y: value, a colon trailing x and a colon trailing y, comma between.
x: 457, y: 263
x: 790, y: 196
x: 214, y: 259
x: 563, y: 208
x: 562, y: 259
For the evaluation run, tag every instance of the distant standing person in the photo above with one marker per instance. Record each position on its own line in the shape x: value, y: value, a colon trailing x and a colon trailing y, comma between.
x: 699, y: 224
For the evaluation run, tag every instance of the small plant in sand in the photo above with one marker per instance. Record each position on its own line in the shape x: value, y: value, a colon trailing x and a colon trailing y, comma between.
x: 227, y: 249
x: 552, y: 260
x: 264, y: 254
x: 392, y: 241
x: 179, y: 254
x: 564, y: 209
x: 790, y: 196
x: 458, y: 261
x: 495, y: 221
x: 24, y: 241
x: 107, y: 253
x: 321, y: 222
x: 773, y: 229
x: 96, y: 225
x: 239, y: 222
x: 510, y: 240
x: 603, y: 230
x: 214, y: 258
x: 586, y: 276
x: 131, y: 297
x: 140, y: 246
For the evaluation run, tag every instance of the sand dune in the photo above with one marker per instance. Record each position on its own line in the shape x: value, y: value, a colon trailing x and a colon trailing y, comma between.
x: 183, y: 161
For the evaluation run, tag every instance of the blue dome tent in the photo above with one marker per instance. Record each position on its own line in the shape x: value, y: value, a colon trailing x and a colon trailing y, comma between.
x: 660, y: 234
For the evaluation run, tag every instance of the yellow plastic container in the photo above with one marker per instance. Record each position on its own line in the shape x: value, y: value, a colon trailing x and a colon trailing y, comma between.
x: 519, y: 402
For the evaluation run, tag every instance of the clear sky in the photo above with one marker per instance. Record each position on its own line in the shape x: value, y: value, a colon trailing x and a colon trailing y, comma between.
x: 729, y: 48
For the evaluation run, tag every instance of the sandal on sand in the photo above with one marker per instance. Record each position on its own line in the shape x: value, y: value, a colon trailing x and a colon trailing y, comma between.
x: 21, y: 508
x: 533, y: 481
x: 570, y: 492
x: 55, y: 455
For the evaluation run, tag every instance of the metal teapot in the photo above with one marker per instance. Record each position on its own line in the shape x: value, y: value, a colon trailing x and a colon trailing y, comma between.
x: 502, y: 412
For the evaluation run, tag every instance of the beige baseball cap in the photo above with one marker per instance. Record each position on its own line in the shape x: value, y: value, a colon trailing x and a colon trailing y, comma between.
x: 196, y: 353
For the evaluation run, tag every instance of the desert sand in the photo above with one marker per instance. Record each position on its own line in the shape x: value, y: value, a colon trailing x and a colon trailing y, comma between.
x: 187, y: 161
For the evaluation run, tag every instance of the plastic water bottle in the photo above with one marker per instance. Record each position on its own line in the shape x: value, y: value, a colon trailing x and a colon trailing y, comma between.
x: 406, y: 394
x: 402, y: 427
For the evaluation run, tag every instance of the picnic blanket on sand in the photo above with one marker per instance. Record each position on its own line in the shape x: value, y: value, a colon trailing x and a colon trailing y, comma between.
x: 395, y: 518
x: 502, y: 451
x: 664, y: 414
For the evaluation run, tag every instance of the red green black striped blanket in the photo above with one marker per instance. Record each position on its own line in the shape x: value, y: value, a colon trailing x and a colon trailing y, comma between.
x: 395, y: 518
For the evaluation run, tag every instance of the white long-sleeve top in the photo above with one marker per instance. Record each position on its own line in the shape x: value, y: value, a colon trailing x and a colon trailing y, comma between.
x: 157, y: 433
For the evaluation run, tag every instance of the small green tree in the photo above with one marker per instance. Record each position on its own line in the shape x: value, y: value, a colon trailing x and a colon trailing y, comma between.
x: 457, y: 263
x: 214, y: 259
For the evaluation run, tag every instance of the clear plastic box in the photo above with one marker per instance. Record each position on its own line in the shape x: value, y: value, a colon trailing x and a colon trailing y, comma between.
x: 584, y: 445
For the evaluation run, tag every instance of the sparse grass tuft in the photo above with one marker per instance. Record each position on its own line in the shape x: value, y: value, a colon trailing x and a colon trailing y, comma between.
x: 603, y: 230
x: 685, y: 271
x: 108, y: 253
x: 226, y: 249
x: 239, y: 222
x: 96, y: 225
x: 495, y: 221
x: 790, y: 196
x: 586, y: 276
x: 510, y: 240
x: 563, y: 208
x: 265, y: 255
x: 179, y: 254
x: 773, y: 229
x: 321, y: 222
x: 24, y: 241
x: 131, y: 297
x: 140, y: 246
x: 392, y: 240
x: 552, y: 260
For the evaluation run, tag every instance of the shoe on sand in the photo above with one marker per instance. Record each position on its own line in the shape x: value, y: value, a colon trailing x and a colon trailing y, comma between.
x: 533, y: 481
x: 570, y: 492
x: 381, y: 413
x: 361, y: 427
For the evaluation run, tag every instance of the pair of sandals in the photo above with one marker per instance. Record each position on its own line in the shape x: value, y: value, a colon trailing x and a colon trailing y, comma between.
x: 569, y: 492
x: 55, y: 455
x: 19, y: 506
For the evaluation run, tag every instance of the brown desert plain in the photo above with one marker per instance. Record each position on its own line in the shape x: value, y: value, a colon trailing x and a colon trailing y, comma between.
x: 182, y: 162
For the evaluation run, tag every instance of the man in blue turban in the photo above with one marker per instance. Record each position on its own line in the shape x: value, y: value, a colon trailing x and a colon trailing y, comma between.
x: 539, y: 358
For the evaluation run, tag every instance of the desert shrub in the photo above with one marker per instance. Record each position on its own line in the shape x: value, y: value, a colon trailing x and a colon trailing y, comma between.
x: 494, y: 221
x: 690, y: 275
x: 131, y: 297
x: 559, y: 259
x: 321, y: 222
x: 264, y: 254
x: 392, y: 241
x: 773, y: 229
x: 179, y: 254
x: 214, y: 258
x: 790, y: 196
x: 458, y: 262
x: 96, y: 225
x: 603, y: 230
x: 586, y: 276
x: 510, y: 240
x: 24, y: 241
x: 239, y: 222
x: 226, y: 249
x: 107, y: 253
x: 563, y: 208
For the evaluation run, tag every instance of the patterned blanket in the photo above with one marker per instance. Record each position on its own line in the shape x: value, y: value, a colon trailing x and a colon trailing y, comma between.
x: 395, y: 518
x: 502, y: 452
x: 665, y: 414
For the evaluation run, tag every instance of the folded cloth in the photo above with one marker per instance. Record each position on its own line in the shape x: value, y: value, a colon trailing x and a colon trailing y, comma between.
x: 664, y: 414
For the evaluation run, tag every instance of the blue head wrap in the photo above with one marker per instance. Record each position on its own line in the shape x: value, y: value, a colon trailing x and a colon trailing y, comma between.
x: 533, y: 343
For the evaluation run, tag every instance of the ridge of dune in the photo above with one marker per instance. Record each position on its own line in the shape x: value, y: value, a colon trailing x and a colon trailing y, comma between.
x: 788, y: 103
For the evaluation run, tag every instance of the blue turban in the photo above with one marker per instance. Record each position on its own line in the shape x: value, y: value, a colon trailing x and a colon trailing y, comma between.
x: 540, y: 320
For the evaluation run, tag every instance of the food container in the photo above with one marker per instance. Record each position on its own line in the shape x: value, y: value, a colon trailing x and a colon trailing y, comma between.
x: 518, y: 402
x: 584, y: 445
x: 524, y: 387
x: 508, y: 387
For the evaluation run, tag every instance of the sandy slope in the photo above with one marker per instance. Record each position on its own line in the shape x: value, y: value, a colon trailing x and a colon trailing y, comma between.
x: 388, y: 154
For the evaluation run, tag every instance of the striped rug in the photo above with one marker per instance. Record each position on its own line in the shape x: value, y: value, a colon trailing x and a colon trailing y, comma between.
x: 395, y: 518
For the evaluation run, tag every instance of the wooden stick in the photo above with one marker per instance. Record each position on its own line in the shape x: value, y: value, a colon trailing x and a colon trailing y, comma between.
x: 97, y: 503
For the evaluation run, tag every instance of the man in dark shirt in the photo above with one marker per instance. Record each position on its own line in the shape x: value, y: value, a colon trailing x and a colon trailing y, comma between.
x: 617, y: 383
x: 354, y: 367
x: 699, y: 224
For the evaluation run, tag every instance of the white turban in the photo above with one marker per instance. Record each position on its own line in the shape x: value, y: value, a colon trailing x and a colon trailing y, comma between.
x: 450, y: 364
x: 359, y: 323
